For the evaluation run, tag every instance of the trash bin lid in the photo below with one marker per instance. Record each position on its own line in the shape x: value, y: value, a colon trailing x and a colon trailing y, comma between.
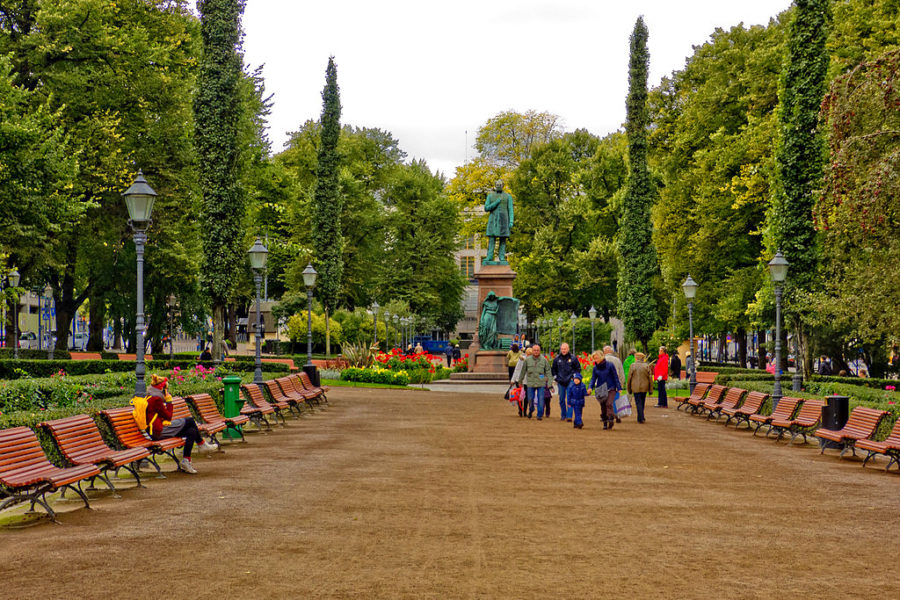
x: 231, y: 379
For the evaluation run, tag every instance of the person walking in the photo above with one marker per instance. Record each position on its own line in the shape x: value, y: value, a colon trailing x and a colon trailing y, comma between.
x: 675, y: 366
x: 661, y: 375
x: 457, y: 354
x: 536, y: 376
x: 575, y: 397
x: 629, y: 360
x: 449, y: 353
x: 564, y: 367
x: 620, y: 369
x: 516, y: 376
x: 512, y: 359
x: 604, y: 384
x: 639, y: 383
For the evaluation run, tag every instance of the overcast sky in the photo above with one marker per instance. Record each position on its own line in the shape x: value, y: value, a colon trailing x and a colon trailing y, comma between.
x: 429, y: 71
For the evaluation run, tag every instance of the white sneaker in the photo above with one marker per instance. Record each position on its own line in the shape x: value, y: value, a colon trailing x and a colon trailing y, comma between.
x: 208, y: 447
x: 186, y: 466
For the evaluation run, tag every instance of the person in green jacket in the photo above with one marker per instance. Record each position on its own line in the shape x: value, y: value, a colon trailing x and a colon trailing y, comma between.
x: 629, y: 360
x: 537, y: 377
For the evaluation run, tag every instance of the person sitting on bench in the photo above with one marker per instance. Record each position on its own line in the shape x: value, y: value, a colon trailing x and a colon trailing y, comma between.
x: 160, y: 424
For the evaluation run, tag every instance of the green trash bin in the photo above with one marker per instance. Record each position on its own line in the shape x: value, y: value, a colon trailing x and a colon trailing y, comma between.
x: 233, y: 403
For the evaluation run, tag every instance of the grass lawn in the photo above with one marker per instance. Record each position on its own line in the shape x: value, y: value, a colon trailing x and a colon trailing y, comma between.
x: 360, y: 384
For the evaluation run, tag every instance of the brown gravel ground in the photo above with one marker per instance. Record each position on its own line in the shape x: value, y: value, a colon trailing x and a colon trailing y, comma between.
x: 403, y: 494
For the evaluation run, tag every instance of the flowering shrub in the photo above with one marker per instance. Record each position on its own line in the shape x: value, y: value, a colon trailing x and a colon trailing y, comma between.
x: 376, y: 375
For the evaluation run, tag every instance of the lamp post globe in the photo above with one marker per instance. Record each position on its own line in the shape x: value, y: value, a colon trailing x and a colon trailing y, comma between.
x: 690, y: 291
x: 14, y: 279
x: 258, y: 255
x: 573, y: 318
x: 309, y: 280
x: 139, y: 200
x: 592, y: 313
x: 778, y: 269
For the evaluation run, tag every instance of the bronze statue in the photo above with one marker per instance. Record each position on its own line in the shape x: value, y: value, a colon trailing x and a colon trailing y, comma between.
x: 499, y: 206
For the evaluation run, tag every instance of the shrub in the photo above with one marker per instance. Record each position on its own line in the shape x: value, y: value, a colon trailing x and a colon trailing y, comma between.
x: 14, y: 369
x: 33, y: 354
x: 376, y: 375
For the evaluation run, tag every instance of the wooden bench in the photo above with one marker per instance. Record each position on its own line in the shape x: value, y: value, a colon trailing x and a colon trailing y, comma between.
x: 80, y: 443
x: 147, y: 357
x: 254, y: 397
x: 698, y: 394
x: 287, y: 396
x: 209, y: 412
x: 128, y: 435
x: 27, y: 476
x: 751, y: 406
x: 890, y: 447
x: 862, y: 424
x: 732, y: 400
x: 293, y: 386
x: 784, y: 410
x: 713, y: 397
x: 702, y: 376
x: 320, y: 391
x: 180, y: 410
x: 284, y: 361
x: 85, y: 356
x: 809, y: 416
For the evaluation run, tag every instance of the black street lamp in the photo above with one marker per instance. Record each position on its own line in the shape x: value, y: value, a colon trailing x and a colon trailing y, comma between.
x: 14, y: 278
x: 309, y: 280
x: 690, y: 291
x: 573, y: 319
x: 375, y: 308
x: 139, y: 199
x: 778, y: 268
x: 171, y: 303
x: 48, y: 292
x: 559, y: 322
x: 592, y: 313
x: 258, y: 255
x: 396, y: 319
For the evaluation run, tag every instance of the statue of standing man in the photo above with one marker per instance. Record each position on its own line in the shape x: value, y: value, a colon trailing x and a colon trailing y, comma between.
x: 499, y: 206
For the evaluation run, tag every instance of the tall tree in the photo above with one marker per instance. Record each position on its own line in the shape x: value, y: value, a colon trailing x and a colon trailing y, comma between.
x: 637, y: 307
x: 328, y: 201
x: 217, y: 113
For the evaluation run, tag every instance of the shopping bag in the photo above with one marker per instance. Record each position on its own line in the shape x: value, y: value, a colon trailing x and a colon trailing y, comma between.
x: 623, y: 405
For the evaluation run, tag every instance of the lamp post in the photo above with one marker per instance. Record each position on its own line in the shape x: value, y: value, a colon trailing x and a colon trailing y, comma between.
x: 48, y: 292
x: 375, y: 317
x: 172, y: 303
x: 139, y: 199
x: 14, y: 278
x: 396, y: 319
x: 258, y: 255
x: 559, y: 322
x: 778, y: 268
x: 573, y: 319
x: 309, y: 280
x: 387, y: 331
x: 592, y: 313
x: 690, y: 290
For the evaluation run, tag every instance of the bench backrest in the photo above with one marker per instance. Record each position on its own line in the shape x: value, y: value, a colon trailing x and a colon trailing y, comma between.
x: 706, y: 377
x: 284, y: 361
x: 810, y: 411
x: 255, y: 395
x: 864, y: 420
x: 133, y: 356
x: 274, y: 390
x: 699, y: 391
x: 290, y: 385
x: 754, y: 402
x: 733, y: 397
x: 85, y: 356
x: 76, y: 437
x: 894, y: 437
x: 206, y: 407
x: 786, y: 407
x: 715, y: 394
x: 180, y: 409
x: 125, y: 428
x: 20, y: 448
x: 304, y: 379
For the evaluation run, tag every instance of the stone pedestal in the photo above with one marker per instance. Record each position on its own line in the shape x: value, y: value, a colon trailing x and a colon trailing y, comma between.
x: 498, y: 279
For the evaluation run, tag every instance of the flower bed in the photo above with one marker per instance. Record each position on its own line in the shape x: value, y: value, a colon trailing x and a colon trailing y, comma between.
x: 376, y: 375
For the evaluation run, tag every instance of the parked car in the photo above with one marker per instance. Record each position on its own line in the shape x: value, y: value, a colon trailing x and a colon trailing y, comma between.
x: 28, y: 339
x: 79, y: 340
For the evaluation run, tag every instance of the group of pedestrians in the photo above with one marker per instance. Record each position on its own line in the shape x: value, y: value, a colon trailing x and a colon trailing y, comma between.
x: 612, y: 382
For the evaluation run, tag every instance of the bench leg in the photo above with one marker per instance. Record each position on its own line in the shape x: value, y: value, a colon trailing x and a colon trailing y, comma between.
x: 869, y: 456
x: 133, y: 469
x: 240, y: 432
x: 77, y: 489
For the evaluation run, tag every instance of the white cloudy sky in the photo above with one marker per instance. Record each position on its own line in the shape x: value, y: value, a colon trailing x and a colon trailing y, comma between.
x: 429, y: 71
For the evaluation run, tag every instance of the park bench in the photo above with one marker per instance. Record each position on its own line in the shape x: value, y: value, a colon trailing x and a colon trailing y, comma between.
x: 27, y: 476
x: 320, y: 391
x: 862, y: 424
x: 702, y: 376
x: 294, y: 383
x: 698, y: 394
x: 741, y: 414
x: 282, y: 390
x: 180, y: 410
x: 209, y: 412
x: 784, y: 410
x: 809, y: 416
x: 284, y: 361
x: 80, y: 443
x: 147, y: 357
x: 85, y: 356
x: 713, y: 397
x: 890, y: 447
x: 732, y: 400
x: 255, y: 399
x: 128, y: 435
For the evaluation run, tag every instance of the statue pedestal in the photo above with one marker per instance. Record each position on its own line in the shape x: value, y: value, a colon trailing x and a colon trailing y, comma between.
x: 498, y: 279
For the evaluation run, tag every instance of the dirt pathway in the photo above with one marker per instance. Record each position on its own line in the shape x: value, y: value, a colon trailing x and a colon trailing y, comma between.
x: 429, y: 495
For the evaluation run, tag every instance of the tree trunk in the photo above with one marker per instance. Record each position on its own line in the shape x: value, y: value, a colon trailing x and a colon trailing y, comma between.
x: 117, y: 333
x: 761, y: 350
x: 327, y: 335
x: 232, y: 325
x: 742, y: 347
x: 98, y: 318
x: 218, y: 331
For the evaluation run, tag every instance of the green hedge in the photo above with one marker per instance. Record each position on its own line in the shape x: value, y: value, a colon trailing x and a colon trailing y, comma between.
x: 375, y: 376
x: 869, y: 382
x: 15, y: 369
x: 30, y: 354
x: 737, y: 378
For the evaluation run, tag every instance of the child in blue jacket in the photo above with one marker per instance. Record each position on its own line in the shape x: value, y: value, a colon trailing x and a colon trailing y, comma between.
x: 575, y: 398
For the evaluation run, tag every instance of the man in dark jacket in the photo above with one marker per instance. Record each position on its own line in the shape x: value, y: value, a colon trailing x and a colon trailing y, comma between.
x: 675, y: 366
x: 564, y: 368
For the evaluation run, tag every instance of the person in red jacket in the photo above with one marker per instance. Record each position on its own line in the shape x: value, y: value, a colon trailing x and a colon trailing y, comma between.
x: 160, y: 424
x: 660, y: 375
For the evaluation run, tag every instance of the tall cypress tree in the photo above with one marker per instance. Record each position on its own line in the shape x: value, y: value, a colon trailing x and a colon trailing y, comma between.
x: 217, y: 113
x: 327, y: 202
x: 801, y: 152
x: 637, y: 254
